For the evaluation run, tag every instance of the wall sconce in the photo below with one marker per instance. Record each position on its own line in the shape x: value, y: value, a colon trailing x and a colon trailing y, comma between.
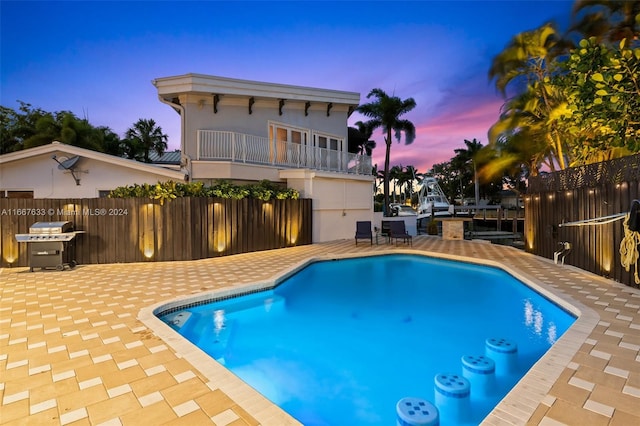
x: 294, y: 231
x: 10, y: 259
x: 9, y: 249
x: 148, y: 240
x: 220, y: 237
x: 70, y: 210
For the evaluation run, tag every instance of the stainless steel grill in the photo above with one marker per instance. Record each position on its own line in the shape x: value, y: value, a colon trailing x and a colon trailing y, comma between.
x: 50, y: 245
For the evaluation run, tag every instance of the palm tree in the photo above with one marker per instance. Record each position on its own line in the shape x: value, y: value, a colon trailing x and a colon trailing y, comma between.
x: 395, y: 174
x: 145, y: 136
x: 358, y: 140
x: 413, y: 176
x: 385, y: 112
x: 368, y: 146
x: 529, y: 62
x: 465, y: 161
x: 405, y: 180
x: 379, y: 176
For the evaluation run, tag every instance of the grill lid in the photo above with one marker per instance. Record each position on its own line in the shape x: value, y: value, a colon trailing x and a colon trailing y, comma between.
x: 51, y: 227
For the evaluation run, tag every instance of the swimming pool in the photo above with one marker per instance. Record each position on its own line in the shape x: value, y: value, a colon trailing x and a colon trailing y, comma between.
x: 340, y: 342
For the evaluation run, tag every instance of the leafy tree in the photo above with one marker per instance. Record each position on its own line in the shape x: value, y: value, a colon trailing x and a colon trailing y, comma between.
x: 79, y: 132
x: 447, y: 178
x: 145, y: 136
x: 65, y: 127
x: 110, y: 141
x: 16, y: 126
x: 607, y: 21
x: 602, y: 83
x: 30, y: 127
x: 572, y: 104
x: 385, y: 112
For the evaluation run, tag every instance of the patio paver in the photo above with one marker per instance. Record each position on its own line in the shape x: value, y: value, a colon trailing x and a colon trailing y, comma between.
x: 74, y: 348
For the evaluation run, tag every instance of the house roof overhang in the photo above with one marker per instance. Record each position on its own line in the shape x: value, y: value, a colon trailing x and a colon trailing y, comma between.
x: 169, y: 88
x: 58, y: 147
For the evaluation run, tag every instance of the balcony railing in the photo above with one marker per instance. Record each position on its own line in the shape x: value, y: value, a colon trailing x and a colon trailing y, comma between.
x: 243, y: 148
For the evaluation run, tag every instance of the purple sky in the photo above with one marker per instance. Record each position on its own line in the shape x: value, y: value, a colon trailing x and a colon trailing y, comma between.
x: 97, y: 59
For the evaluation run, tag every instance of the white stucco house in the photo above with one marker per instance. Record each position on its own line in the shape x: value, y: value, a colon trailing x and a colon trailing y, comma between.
x: 58, y: 170
x: 249, y: 131
x: 239, y: 130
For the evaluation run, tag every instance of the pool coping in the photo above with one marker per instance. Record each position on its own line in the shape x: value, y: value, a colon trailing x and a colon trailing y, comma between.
x: 517, y: 407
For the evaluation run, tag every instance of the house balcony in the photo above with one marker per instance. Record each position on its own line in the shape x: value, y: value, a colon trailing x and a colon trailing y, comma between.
x: 241, y: 148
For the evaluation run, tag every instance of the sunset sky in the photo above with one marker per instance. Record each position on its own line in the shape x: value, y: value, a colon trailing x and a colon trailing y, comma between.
x: 97, y: 59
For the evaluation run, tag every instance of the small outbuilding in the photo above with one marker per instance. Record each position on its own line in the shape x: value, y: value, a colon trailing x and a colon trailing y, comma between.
x: 58, y: 170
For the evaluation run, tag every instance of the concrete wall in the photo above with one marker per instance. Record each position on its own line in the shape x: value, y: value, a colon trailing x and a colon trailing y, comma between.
x: 339, y: 201
x: 236, y: 172
x: 410, y: 222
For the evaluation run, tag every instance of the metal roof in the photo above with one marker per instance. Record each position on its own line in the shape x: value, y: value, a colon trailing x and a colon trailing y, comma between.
x: 171, y: 157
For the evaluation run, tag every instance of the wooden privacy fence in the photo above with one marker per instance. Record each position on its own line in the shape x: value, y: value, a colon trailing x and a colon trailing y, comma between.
x: 580, y: 194
x: 137, y: 230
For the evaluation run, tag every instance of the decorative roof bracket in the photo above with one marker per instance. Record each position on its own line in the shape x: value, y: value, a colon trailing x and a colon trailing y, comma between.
x: 280, y: 105
x: 306, y: 108
x: 251, y: 102
x: 216, y: 99
x: 329, y: 106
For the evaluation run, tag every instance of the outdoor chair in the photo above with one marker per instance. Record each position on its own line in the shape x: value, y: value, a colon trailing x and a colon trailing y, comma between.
x: 363, y: 231
x: 385, y: 230
x: 398, y: 231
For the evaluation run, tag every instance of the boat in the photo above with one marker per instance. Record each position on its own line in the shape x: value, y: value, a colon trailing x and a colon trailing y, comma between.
x: 398, y: 209
x: 432, y: 201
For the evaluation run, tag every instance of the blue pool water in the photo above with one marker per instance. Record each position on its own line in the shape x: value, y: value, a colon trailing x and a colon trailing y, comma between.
x: 340, y: 342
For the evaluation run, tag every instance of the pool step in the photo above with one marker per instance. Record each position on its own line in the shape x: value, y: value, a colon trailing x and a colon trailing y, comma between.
x: 177, y: 320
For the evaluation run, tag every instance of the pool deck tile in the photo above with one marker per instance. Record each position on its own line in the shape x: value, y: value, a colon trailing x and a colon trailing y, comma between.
x: 82, y: 346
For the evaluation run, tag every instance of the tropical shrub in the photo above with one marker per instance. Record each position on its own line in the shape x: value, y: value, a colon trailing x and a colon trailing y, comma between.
x: 170, y: 190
